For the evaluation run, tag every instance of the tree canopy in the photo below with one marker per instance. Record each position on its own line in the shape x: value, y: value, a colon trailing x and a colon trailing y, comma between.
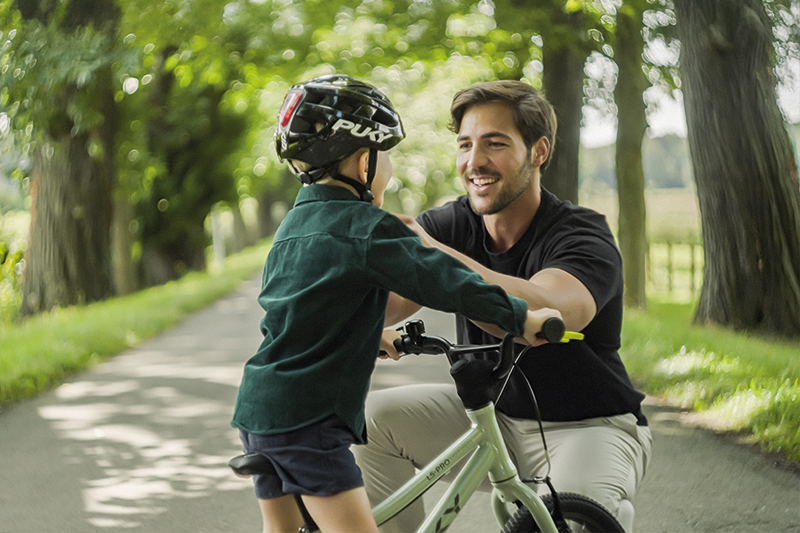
x: 173, y: 102
x: 177, y: 99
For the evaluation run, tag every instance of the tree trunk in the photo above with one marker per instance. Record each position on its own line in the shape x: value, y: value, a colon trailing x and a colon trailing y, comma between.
x: 123, y: 271
x: 172, y: 210
x: 746, y: 174
x: 281, y: 193
x: 122, y: 246
x: 631, y: 127
x: 266, y: 226
x: 67, y: 258
x: 562, y: 81
x: 241, y: 236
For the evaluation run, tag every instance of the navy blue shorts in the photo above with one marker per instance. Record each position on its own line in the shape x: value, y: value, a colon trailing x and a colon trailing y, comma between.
x: 315, y: 460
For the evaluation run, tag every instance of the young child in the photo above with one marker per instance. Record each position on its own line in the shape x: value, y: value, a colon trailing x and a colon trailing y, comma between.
x: 334, y: 261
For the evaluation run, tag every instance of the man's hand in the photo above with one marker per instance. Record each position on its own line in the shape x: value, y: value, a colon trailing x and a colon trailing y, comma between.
x: 534, y: 322
x: 414, y: 226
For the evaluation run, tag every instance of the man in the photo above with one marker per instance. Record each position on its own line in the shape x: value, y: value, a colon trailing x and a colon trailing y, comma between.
x: 551, y: 254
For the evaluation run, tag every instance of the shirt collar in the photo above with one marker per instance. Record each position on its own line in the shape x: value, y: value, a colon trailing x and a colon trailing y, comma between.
x: 323, y: 193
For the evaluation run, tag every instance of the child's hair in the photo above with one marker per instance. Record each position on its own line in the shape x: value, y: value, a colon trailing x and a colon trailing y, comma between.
x: 326, y: 119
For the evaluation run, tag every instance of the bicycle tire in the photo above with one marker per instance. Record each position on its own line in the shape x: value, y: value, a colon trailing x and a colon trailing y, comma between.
x: 580, y: 512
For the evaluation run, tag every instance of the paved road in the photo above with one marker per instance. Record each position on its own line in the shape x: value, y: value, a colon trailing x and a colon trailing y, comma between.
x: 141, y: 442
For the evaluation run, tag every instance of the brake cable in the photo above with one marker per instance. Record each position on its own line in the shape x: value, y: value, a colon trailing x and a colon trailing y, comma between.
x: 537, y: 479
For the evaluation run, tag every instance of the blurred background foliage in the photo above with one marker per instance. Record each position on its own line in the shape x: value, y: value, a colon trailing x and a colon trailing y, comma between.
x: 196, y: 86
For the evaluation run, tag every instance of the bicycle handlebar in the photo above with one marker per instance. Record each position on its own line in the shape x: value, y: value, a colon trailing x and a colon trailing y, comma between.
x: 415, y: 341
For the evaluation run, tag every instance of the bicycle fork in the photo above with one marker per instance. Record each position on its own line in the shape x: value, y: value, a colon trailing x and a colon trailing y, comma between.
x: 508, y: 487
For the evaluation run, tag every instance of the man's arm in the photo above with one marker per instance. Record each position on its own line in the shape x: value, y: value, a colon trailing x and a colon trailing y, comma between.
x: 398, y: 309
x: 553, y: 288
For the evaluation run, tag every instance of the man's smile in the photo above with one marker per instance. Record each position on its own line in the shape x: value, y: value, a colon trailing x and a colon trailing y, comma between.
x: 483, y: 178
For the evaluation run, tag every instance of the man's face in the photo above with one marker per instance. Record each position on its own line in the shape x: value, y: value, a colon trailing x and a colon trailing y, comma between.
x: 492, y: 159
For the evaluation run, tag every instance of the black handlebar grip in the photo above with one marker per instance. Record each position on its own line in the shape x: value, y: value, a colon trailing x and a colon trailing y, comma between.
x: 398, y: 345
x: 552, y: 330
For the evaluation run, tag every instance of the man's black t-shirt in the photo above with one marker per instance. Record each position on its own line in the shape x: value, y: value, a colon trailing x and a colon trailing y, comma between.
x: 572, y: 381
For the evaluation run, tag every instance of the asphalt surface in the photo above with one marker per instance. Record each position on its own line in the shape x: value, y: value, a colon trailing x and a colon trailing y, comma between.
x: 141, y: 442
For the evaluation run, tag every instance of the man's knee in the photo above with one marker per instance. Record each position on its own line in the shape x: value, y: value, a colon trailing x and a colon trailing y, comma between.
x: 625, y: 515
x: 607, y: 496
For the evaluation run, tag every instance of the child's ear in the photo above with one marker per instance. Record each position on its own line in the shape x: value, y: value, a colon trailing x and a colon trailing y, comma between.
x: 363, y: 166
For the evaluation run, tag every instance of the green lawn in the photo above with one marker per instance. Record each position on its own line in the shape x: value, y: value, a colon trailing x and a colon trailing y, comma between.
x: 736, y: 382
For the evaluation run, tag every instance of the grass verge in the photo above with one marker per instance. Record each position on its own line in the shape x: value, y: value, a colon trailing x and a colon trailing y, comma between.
x: 734, y: 382
x: 43, y: 350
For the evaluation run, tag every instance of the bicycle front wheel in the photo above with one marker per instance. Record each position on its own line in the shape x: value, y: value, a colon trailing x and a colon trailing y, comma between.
x: 581, y: 514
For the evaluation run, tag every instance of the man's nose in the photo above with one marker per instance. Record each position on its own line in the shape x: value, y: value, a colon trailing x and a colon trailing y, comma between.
x: 477, y: 158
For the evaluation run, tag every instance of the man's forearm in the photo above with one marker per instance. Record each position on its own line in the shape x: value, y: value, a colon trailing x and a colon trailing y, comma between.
x: 551, y: 288
x: 399, y: 309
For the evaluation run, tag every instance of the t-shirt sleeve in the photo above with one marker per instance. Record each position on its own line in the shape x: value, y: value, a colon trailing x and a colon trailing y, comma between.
x: 449, y: 225
x: 436, y: 223
x: 397, y: 261
x: 589, y: 253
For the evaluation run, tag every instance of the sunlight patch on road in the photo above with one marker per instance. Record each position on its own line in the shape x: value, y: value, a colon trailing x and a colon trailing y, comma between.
x: 141, y: 439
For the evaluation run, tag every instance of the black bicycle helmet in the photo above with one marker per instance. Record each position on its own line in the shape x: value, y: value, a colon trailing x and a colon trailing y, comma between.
x: 329, y: 118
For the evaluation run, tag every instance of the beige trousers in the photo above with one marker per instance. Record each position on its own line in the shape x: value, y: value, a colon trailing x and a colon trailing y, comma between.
x: 602, y: 458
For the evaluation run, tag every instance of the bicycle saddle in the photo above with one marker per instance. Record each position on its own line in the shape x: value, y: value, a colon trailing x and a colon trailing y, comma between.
x: 251, y: 464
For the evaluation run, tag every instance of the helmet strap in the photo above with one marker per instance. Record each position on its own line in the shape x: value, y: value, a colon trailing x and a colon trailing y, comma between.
x: 310, y: 176
x: 363, y: 190
x: 372, y: 166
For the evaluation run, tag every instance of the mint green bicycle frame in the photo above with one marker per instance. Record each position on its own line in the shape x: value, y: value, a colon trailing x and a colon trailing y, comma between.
x: 490, y: 457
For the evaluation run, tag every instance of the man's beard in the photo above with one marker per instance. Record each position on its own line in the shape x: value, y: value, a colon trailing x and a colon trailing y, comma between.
x: 507, y: 196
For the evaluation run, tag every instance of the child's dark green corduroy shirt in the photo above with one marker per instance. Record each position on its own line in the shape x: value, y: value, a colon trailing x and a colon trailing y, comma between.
x: 326, y: 282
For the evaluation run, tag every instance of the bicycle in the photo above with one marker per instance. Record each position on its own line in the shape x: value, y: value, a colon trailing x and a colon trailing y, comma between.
x: 475, y: 380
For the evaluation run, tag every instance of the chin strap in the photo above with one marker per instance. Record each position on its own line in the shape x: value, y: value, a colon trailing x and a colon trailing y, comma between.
x: 331, y: 169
